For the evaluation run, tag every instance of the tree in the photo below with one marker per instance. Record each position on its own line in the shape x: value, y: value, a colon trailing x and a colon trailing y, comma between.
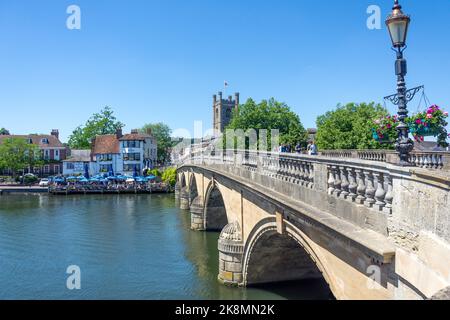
x: 4, y: 132
x: 17, y: 154
x: 270, y: 115
x: 162, y: 134
x: 100, y: 123
x: 170, y: 176
x: 349, y: 127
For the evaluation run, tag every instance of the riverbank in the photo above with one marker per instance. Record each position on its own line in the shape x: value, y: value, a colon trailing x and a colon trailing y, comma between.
x: 22, y: 189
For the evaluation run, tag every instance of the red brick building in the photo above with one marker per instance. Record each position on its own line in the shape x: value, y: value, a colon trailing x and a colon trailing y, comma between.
x: 53, y: 152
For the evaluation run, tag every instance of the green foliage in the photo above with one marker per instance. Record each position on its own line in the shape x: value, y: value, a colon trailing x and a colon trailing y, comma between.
x: 162, y: 134
x: 270, y: 115
x: 349, y: 127
x: 100, y: 123
x: 156, y: 173
x: 30, y: 179
x: 170, y: 176
x: 17, y: 154
x: 4, y: 132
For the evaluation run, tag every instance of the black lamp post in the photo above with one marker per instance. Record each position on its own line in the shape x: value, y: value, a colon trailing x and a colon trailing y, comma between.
x: 398, y: 24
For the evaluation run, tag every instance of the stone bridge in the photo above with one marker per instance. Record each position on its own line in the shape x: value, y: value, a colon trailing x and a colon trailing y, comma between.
x: 370, y: 229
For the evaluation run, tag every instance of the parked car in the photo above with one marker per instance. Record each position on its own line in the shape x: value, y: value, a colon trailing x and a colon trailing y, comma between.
x: 44, y: 182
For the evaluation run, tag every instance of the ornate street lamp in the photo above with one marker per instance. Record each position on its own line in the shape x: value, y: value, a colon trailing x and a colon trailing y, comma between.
x: 398, y: 24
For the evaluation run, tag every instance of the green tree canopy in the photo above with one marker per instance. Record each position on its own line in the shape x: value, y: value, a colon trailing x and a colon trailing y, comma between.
x: 170, y: 176
x: 162, y: 134
x: 270, y: 115
x: 349, y: 127
x: 4, y: 132
x: 100, y: 123
x: 17, y: 154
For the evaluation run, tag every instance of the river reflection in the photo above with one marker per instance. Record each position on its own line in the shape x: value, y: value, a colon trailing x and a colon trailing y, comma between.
x: 128, y: 247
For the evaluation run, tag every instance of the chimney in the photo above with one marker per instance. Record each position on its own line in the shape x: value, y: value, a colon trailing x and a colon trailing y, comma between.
x: 134, y: 131
x: 119, y: 133
x: 220, y: 95
x: 236, y: 95
x: 55, y: 133
x: 215, y: 98
x: 149, y: 131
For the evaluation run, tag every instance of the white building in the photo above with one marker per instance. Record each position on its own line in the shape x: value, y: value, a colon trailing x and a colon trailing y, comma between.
x: 78, y: 162
x: 125, y: 154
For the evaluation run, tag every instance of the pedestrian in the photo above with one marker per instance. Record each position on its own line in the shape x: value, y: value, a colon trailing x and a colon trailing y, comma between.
x: 298, y: 148
x: 314, y: 151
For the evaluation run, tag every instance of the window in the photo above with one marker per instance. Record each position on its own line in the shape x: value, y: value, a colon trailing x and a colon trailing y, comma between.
x: 70, y: 166
x: 132, y: 167
x: 105, y: 168
x: 46, y: 169
x: 131, y: 144
x: 131, y: 157
x: 30, y: 141
x: 104, y: 157
x: 56, y: 169
x: 46, y: 154
x: 44, y: 141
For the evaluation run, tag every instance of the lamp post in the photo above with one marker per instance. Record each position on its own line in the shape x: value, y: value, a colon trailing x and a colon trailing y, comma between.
x: 398, y: 24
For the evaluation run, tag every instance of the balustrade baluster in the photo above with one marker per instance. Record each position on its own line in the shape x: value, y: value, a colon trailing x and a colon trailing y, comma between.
x: 337, y: 181
x: 344, y: 184
x: 370, y: 189
x: 331, y: 180
x: 352, y: 188
x: 311, y: 175
x: 389, y: 198
x: 380, y: 192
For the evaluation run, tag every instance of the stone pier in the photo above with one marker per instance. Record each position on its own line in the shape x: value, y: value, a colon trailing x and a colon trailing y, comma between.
x: 184, y: 199
x: 231, y: 249
x: 197, y: 214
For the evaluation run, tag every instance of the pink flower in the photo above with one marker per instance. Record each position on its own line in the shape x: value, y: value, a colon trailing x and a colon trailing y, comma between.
x: 389, y: 126
x: 446, y: 114
x: 418, y: 121
x: 429, y: 116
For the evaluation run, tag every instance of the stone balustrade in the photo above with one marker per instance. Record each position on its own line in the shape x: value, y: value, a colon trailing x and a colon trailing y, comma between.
x: 439, y: 160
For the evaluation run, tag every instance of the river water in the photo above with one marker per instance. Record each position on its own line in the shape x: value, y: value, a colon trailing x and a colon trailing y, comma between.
x: 127, y: 247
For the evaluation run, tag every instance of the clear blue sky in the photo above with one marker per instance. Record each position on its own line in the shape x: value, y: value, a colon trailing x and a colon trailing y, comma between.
x: 163, y: 60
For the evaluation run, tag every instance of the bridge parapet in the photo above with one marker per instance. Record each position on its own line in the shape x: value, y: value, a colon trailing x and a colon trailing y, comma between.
x: 438, y: 160
x: 411, y: 196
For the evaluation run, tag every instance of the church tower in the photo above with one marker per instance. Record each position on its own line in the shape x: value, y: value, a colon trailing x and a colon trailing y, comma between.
x: 223, y: 111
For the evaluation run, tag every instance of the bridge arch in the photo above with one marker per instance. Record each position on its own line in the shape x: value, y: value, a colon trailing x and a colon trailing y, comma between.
x: 215, y: 213
x: 193, y: 188
x: 271, y: 256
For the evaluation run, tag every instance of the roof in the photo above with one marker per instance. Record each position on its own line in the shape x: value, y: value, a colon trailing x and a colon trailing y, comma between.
x: 135, y: 137
x: 427, y: 146
x: 53, y: 142
x: 79, y: 156
x: 106, y: 144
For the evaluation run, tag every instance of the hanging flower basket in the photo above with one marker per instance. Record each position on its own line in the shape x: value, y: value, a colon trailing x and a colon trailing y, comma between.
x: 424, y: 131
x: 379, y: 137
x: 430, y: 123
x: 385, y: 129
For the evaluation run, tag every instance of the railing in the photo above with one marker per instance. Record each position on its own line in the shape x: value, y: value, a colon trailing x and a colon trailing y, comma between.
x: 429, y: 159
x: 361, y: 182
